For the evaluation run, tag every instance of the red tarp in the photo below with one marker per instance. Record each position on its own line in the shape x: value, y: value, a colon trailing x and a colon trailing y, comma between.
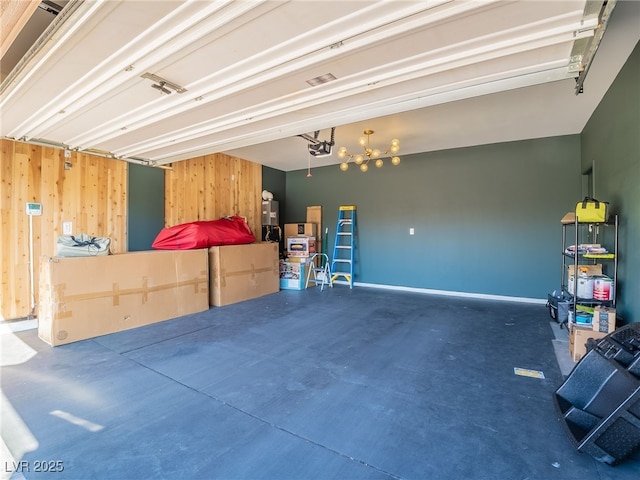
x: 204, y: 234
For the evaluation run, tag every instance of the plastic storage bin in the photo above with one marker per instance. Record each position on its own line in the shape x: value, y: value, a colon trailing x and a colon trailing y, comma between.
x: 559, y: 305
x: 623, y: 347
x: 599, y: 402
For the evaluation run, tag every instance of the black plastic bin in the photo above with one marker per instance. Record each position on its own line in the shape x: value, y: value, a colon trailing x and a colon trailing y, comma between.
x: 599, y: 402
x: 559, y: 305
x: 623, y: 346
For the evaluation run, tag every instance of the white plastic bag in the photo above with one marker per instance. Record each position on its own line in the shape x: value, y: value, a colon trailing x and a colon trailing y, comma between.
x: 83, y: 245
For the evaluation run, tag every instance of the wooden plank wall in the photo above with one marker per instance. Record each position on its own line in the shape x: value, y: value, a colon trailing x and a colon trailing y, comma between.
x: 91, y: 194
x: 212, y: 186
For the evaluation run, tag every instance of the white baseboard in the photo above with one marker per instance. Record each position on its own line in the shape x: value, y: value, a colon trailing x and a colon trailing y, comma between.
x: 448, y: 293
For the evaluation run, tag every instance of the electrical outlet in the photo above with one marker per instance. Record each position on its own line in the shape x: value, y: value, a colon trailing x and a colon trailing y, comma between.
x: 412, y: 231
x: 67, y: 228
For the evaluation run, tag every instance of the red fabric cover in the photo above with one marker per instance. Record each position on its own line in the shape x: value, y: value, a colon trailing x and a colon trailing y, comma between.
x: 203, y: 234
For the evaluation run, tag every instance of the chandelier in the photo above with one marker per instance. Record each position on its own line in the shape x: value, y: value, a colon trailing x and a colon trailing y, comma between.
x: 369, y: 154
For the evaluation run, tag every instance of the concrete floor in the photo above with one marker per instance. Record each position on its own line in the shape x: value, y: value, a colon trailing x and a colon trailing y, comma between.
x: 340, y: 384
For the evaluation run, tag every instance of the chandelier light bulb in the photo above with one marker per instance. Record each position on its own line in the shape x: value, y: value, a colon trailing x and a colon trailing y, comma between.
x: 369, y: 153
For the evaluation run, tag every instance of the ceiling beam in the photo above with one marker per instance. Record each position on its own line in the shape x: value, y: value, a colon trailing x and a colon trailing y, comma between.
x: 14, y: 15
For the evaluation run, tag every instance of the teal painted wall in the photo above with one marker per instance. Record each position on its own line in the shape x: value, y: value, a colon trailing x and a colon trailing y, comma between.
x: 486, y: 218
x: 145, y: 199
x: 611, y: 142
x: 275, y: 181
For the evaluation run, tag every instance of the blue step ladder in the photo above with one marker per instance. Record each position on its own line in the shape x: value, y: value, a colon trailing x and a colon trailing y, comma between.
x: 343, y: 249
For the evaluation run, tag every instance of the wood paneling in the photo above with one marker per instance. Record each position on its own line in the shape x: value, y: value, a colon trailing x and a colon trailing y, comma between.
x: 212, y: 186
x: 91, y: 194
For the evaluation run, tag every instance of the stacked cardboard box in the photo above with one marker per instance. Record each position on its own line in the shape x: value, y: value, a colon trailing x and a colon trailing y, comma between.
x: 300, y: 241
x: 578, y: 336
x: 301, y: 247
x: 293, y: 275
x: 604, y: 319
x: 303, y: 240
x: 300, y: 230
x: 603, y: 322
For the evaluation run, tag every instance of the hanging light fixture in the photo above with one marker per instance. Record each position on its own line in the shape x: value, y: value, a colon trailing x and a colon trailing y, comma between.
x: 375, y: 154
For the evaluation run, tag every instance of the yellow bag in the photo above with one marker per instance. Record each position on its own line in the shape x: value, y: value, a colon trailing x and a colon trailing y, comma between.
x: 591, y: 210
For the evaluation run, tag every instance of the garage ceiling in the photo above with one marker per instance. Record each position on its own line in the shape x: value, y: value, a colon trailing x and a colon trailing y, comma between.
x: 159, y: 82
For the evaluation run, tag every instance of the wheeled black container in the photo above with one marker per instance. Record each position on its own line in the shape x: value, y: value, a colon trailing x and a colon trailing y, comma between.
x: 559, y: 305
x: 599, y: 403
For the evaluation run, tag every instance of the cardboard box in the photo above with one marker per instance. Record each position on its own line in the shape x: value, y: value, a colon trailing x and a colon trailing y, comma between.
x: 314, y: 215
x: 590, y: 269
x: 297, y: 259
x: 604, y: 319
x: 85, y: 297
x: 242, y: 272
x: 301, y: 246
x: 300, y: 230
x: 569, y: 217
x: 293, y: 275
x: 578, y: 337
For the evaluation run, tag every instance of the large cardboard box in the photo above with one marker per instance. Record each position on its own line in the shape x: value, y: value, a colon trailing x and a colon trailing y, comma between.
x: 578, y: 337
x: 314, y: 216
x: 242, y: 272
x: 85, y: 297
